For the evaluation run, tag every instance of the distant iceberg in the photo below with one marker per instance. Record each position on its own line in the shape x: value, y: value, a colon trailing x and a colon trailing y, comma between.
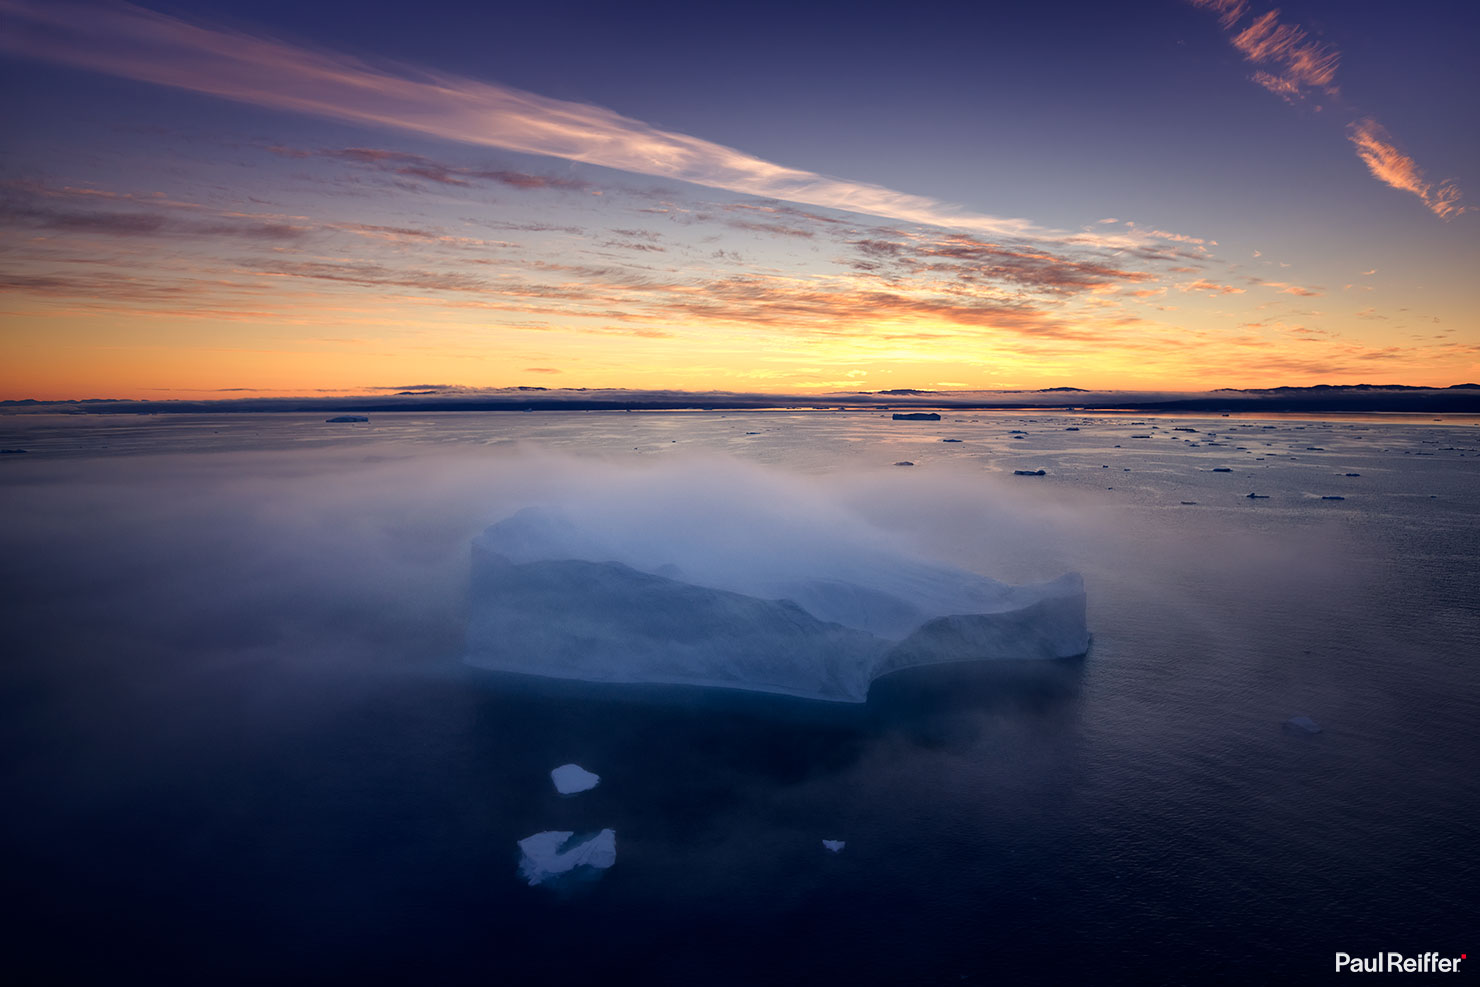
x: 798, y: 611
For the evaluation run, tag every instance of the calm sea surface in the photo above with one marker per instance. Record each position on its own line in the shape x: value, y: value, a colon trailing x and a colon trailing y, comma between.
x: 239, y: 746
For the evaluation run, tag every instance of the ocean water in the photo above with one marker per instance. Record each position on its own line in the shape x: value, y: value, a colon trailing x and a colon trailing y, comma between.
x: 239, y: 745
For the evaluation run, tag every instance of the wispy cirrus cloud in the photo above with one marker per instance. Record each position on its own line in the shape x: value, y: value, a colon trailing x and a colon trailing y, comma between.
x: 1298, y: 63
x: 1229, y: 11
x: 1292, y: 62
x: 1293, y: 65
x: 36, y: 206
x: 966, y: 261
x: 1203, y: 286
x: 1393, y: 167
x: 132, y: 42
x: 1285, y: 288
x: 428, y: 169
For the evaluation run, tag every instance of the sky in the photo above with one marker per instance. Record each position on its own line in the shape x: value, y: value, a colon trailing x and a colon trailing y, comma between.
x: 275, y: 198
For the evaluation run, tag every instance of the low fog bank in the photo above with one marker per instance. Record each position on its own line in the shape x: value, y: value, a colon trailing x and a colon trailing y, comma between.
x: 1455, y: 399
x: 337, y: 562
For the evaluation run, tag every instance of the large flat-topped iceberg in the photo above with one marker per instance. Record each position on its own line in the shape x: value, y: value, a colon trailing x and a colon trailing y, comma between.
x: 770, y: 605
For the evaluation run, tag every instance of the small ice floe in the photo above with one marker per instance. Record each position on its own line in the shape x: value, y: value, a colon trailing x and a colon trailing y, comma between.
x: 835, y: 846
x: 1302, y: 725
x: 346, y: 419
x: 572, y: 778
x: 556, y: 852
x: 1029, y: 472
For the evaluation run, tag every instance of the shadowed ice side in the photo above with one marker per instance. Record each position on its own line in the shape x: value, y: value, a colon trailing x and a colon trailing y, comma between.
x: 555, y: 598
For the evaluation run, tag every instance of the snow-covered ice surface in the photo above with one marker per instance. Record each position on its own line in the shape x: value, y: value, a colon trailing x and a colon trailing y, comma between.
x: 615, y: 598
x: 553, y: 853
x: 571, y: 779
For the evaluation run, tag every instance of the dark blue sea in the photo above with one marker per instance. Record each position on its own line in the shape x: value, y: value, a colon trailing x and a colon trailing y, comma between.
x: 239, y: 744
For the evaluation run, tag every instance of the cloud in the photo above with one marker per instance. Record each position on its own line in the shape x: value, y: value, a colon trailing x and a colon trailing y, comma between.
x: 1293, y: 63
x: 419, y: 166
x: 1392, y: 167
x: 35, y: 207
x: 1296, y: 65
x: 1285, y: 288
x: 775, y: 229
x: 1204, y: 286
x: 1300, y: 64
x: 123, y: 40
x: 1229, y: 11
x: 365, y: 274
x: 972, y: 261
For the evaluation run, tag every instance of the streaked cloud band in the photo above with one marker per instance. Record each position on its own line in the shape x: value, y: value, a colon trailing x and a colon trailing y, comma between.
x: 1301, y: 65
x: 135, y: 43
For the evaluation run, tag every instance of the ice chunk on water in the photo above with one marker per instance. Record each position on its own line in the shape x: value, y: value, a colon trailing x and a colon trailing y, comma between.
x: 836, y: 846
x: 1303, y: 725
x: 756, y: 605
x: 572, y: 778
x: 552, y: 853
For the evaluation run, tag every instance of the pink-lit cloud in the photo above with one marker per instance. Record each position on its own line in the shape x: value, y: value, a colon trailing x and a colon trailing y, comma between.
x: 1393, y: 167
x: 1294, y: 64
x: 1228, y: 11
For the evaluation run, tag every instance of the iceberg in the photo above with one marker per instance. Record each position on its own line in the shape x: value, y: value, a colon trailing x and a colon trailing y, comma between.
x: 836, y: 846
x: 571, y: 779
x: 743, y: 603
x: 555, y: 852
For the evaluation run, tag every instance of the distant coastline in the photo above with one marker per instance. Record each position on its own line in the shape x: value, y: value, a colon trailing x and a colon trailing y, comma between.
x: 1325, y: 398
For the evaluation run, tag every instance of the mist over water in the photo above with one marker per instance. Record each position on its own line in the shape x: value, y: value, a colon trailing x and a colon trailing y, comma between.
x: 242, y: 744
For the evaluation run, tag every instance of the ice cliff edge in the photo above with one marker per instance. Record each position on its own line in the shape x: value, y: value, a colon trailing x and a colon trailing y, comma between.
x: 556, y: 598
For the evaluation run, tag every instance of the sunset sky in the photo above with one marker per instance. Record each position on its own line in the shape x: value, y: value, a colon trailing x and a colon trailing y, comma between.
x: 276, y: 197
